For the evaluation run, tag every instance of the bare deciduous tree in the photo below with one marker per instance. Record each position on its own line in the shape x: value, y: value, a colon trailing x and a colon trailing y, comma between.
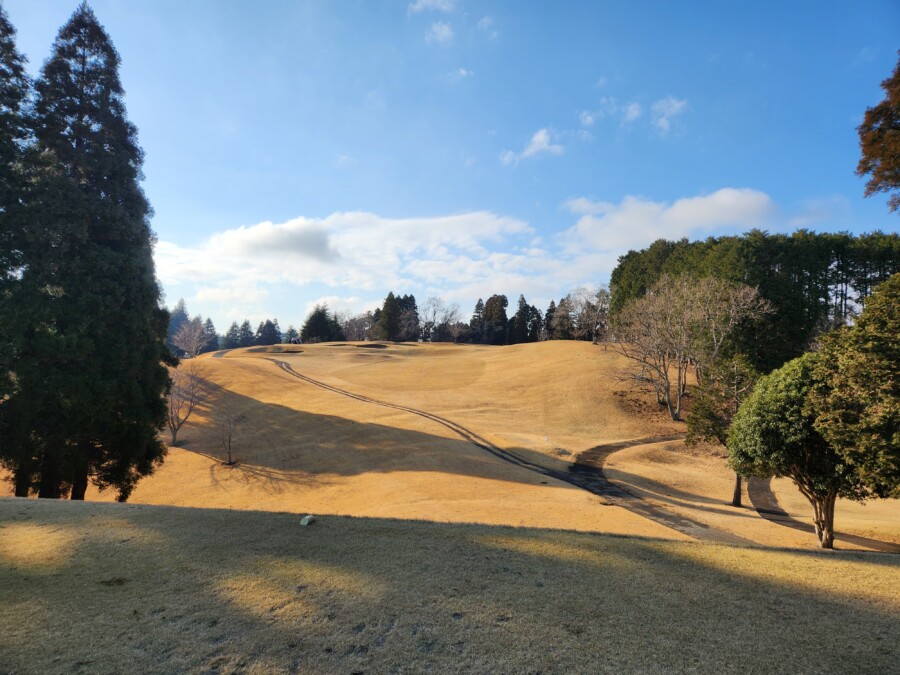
x: 682, y: 322
x: 191, y: 337
x: 186, y: 392
x: 227, y: 422
x: 590, y: 309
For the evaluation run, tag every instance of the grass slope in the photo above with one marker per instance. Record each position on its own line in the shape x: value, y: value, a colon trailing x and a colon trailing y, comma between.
x: 105, y: 588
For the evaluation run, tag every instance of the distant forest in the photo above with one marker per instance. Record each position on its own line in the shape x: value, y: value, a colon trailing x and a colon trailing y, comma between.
x: 814, y: 282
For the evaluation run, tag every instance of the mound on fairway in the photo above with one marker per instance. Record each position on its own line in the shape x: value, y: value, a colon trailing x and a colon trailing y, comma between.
x: 128, y: 588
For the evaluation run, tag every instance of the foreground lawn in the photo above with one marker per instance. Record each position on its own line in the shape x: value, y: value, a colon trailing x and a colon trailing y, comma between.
x: 110, y: 588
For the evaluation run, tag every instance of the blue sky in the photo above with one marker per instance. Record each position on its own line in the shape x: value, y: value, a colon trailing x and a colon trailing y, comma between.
x: 299, y: 152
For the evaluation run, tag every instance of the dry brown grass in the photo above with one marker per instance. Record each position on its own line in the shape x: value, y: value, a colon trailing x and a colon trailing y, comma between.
x: 106, y: 588
x: 305, y: 449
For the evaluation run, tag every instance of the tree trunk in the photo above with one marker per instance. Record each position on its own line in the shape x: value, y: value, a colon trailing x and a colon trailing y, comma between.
x: 51, y: 477
x: 823, y: 508
x: 23, y: 481
x: 80, y: 483
x: 736, y: 497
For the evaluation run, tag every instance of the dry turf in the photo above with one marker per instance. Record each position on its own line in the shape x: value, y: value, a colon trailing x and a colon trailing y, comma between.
x: 105, y: 588
x: 428, y: 552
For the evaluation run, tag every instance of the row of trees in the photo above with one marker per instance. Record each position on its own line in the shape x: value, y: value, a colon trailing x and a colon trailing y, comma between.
x: 82, y: 334
x: 813, y: 282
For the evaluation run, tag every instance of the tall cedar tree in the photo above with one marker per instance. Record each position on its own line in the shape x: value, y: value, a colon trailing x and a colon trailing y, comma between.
x: 91, y: 336
x: 14, y: 90
x: 879, y: 141
x: 390, y: 318
x: 495, y: 320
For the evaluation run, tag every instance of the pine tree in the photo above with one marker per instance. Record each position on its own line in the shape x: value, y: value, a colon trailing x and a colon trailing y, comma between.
x: 212, y: 338
x: 495, y: 320
x: 477, y: 322
x: 246, y: 335
x: 291, y: 335
x: 548, y: 321
x: 232, y: 337
x: 91, y: 343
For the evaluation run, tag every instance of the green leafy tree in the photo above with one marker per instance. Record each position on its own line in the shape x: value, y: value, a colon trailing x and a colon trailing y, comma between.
x: 728, y: 383
x: 774, y: 434
x: 89, y: 295
x: 879, y: 141
x: 856, y: 395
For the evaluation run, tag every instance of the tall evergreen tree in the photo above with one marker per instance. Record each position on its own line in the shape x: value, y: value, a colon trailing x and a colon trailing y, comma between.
x: 90, y: 338
x: 390, y: 318
x: 14, y: 91
x: 321, y: 326
x: 246, y: 336
x: 232, y: 337
x: 212, y: 338
x: 495, y: 320
x: 268, y: 333
x: 477, y: 322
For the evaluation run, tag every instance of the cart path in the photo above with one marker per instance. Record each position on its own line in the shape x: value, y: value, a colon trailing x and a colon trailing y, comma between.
x: 584, y: 473
x: 766, y: 504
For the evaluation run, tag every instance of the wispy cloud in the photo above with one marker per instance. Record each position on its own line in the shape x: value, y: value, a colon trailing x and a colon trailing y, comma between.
x: 631, y: 112
x: 487, y: 26
x: 418, y: 6
x: 610, y: 108
x: 665, y: 110
x: 540, y: 143
x: 439, y: 33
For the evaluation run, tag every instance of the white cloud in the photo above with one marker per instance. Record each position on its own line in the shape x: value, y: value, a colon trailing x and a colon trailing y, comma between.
x: 418, y: 6
x: 539, y: 144
x: 631, y: 112
x: 664, y: 110
x: 637, y: 222
x: 440, y: 33
x: 351, y: 260
x: 234, y: 269
x: 610, y: 107
x: 461, y: 73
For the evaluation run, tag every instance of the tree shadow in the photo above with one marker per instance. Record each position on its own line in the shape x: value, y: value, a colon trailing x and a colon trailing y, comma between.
x: 382, y: 594
x: 766, y: 504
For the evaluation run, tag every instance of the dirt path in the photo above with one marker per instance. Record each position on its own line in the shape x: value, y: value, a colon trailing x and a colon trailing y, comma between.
x: 585, y: 473
x: 588, y: 466
x: 766, y: 504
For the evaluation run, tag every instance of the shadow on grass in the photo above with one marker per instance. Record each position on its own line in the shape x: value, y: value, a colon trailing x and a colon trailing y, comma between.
x: 166, y: 589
